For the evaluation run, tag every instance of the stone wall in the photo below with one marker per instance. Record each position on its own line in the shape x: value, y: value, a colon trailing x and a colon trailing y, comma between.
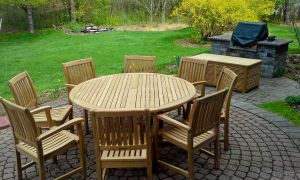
x: 293, y: 65
x: 272, y: 53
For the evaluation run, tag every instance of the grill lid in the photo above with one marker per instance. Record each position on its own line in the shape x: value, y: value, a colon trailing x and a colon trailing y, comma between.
x: 247, y: 34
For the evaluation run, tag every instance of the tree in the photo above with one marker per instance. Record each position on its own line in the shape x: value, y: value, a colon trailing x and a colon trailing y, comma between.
x: 212, y: 17
x: 72, y: 10
x: 27, y: 5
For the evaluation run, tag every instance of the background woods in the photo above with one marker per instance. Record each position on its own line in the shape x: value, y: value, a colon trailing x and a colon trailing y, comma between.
x: 19, y: 15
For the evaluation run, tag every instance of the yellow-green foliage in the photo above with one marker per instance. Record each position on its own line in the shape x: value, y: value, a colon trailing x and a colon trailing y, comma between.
x: 211, y: 17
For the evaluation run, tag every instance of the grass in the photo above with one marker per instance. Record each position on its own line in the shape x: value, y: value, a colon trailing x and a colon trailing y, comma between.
x: 282, y: 109
x: 41, y: 54
x: 285, y: 32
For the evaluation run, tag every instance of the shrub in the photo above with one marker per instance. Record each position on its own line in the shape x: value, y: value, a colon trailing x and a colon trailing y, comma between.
x: 293, y: 100
x: 211, y: 17
x: 74, y: 26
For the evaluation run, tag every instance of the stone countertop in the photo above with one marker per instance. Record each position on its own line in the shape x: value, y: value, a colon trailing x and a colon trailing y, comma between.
x: 276, y: 42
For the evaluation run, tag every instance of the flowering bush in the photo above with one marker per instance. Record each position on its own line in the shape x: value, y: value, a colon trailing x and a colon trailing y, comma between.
x: 211, y: 17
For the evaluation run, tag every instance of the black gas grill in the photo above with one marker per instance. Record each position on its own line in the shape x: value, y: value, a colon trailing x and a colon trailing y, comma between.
x: 247, y: 34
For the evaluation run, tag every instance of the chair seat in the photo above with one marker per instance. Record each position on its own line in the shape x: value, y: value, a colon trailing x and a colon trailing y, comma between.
x: 124, y: 155
x: 124, y: 158
x: 57, y: 114
x: 179, y: 137
x: 52, y: 145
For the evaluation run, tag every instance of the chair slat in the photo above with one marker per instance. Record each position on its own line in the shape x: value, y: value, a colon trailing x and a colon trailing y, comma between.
x: 135, y: 64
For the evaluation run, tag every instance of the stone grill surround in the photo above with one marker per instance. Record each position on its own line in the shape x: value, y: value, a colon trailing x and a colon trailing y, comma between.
x: 272, y: 53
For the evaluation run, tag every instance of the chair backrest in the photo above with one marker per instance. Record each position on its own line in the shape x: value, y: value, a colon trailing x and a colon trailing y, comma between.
x: 206, y: 112
x: 227, y: 79
x: 122, y: 129
x: 192, y: 70
x: 137, y: 64
x: 22, y: 122
x: 79, y: 71
x: 23, y: 90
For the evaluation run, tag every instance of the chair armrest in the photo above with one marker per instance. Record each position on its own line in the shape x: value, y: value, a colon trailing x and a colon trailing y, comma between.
x: 56, y: 129
x: 202, y: 88
x: 199, y: 83
x: 173, y: 122
x: 41, y: 109
x: 70, y: 85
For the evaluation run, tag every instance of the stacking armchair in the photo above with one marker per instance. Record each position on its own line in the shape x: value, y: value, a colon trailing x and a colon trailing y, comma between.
x: 40, y: 148
x: 193, y: 70
x: 138, y: 64
x: 25, y: 95
x: 122, y: 140
x: 77, y: 72
x: 202, y: 129
x: 227, y: 79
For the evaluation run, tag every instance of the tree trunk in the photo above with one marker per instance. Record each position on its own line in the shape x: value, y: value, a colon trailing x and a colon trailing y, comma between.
x: 151, y: 10
x: 72, y: 11
x: 28, y: 10
x: 286, y: 11
x: 163, y: 12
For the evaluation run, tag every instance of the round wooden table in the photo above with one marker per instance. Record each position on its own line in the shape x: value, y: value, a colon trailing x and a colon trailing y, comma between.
x: 157, y: 92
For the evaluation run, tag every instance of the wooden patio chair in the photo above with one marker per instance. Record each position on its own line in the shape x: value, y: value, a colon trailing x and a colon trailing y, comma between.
x: 202, y: 129
x: 227, y: 79
x: 193, y: 70
x: 76, y: 72
x: 25, y: 95
x: 40, y: 148
x: 122, y: 140
x: 138, y: 64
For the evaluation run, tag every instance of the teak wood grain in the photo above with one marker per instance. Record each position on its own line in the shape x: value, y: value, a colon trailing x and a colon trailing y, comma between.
x: 139, y: 64
x: 76, y: 72
x: 248, y: 70
x: 152, y: 91
x: 25, y: 95
x: 41, y: 147
x: 202, y: 128
x: 122, y: 140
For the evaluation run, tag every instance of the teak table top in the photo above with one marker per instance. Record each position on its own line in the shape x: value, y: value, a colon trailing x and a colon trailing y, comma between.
x: 157, y: 92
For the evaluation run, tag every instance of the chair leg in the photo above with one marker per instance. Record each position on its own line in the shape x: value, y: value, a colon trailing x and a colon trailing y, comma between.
x: 71, y: 114
x: 42, y: 173
x: 156, y: 139
x: 86, y: 122
x: 149, y: 172
x: 187, y: 110
x: 226, y: 135
x: 19, y: 166
x: 217, y: 153
x: 190, y: 163
x: 82, y: 161
x: 55, y: 159
x: 179, y: 110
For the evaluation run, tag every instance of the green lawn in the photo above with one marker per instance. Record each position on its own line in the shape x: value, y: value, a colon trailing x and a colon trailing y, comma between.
x: 282, y: 109
x: 285, y: 32
x: 41, y: 54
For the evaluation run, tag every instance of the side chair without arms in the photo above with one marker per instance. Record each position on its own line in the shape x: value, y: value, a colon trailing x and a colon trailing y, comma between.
x: 41, y: 147
x: 76, y: 72
x: 122, y: 140
x: 193, y: 70
x: 227, y: 79
x: 139, y: 64
x: 202, y: 129
x: 25, y: 95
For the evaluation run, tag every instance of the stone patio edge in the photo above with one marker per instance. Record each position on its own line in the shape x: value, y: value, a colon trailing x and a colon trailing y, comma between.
x: 290, y: 129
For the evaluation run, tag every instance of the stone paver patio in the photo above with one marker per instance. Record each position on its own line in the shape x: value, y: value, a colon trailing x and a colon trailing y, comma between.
x: 263, y: 145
